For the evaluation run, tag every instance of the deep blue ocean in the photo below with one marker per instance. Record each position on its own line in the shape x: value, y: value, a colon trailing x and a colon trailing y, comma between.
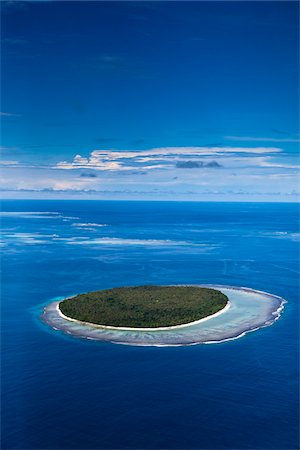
x: 61, y: 392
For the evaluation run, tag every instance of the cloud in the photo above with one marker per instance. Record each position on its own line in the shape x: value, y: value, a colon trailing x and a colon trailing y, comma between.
x: 196, y: 164
x: 188, y: 164
x: 279, y: 166
x: 74, y: 185
x: 245, y: 170
x: 155, y: 158
x: 128, y: 173
x: 88, y: 175
x: 260, y: 139
x: 96, y: 161
x: 210, y: 150
x: 213, y: 164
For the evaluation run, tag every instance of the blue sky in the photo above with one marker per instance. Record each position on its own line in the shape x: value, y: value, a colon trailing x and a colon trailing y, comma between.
x: 150, y: 100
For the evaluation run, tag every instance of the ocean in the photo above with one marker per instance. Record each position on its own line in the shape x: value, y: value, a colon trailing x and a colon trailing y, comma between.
x: 64, y: 392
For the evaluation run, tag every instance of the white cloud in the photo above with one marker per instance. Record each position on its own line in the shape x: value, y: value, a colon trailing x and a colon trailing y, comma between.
x: 80, y: 160
x: 94, y: 161
x: 75, y: 185
x: 210, y: 151
x: 113, y: 160
x: 153, y: 172
x: 280, y: 166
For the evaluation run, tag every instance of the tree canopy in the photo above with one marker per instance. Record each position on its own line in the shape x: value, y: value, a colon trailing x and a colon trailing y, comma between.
x: 144, y: 306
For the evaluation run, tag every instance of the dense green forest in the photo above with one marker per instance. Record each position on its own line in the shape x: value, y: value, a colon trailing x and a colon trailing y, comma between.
x: 144, y: 306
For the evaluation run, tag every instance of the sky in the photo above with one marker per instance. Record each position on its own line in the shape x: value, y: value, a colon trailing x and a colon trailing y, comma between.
x: 150, y: 100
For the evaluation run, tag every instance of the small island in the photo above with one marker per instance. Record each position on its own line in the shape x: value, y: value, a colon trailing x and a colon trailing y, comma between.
x: 164, y: 316
x: 144, y: 306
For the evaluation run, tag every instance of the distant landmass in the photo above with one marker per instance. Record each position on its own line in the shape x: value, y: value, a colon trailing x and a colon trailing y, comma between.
x: 144, y: 306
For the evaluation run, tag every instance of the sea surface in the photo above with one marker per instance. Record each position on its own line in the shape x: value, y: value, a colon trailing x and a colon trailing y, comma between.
x: 62, y: 392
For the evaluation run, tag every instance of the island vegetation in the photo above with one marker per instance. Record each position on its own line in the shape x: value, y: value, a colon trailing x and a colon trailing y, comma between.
x: 144, y: 306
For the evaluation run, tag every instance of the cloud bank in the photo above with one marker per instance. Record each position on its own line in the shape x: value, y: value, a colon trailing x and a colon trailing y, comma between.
x: 156, y: 158
x: 158, y: 173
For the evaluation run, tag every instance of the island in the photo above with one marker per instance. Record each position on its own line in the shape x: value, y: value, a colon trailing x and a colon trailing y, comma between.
x: 144, y: 306
x: 164, y: 316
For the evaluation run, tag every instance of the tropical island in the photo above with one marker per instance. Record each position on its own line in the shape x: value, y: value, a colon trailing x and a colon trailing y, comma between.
x: 144, y: 306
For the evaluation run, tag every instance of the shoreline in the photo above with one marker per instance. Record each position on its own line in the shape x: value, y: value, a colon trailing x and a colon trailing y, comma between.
x: 268, y: 323
x: 172, y: 327
x: 113, y: 334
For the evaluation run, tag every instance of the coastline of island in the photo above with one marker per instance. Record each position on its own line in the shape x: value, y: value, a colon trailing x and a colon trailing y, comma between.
x: 247, y: 310
x: 172, y: 327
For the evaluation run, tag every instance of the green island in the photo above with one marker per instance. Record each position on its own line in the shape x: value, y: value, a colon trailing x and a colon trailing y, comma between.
x: 144, y: 306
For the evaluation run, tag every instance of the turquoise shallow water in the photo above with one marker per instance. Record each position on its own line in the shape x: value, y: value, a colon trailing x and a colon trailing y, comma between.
x: 248, y: 310
x: 59, y: 392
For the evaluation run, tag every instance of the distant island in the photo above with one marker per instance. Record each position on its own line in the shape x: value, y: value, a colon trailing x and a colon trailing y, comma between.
x: 144, y: 306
